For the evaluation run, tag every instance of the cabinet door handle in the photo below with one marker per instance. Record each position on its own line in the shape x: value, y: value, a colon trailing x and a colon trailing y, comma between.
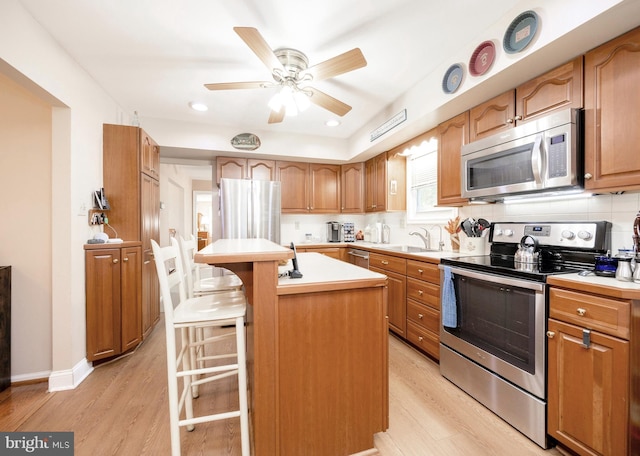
x: 518, y: 117
x: 420, y: 316
x: 125, y: 259
x: 509, y: 121
x: 588, y: 176
x: 116, y: 261
x: 550, y: 334
x: 581, y: 311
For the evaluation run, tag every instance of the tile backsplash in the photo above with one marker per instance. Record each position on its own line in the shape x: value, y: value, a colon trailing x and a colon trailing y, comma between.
x: 620, y: 210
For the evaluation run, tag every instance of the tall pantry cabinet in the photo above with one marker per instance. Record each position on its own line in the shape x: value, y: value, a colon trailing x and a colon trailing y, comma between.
x: 131, y: 169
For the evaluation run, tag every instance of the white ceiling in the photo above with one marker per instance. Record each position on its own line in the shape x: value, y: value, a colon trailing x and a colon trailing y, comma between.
x: 153, y: 56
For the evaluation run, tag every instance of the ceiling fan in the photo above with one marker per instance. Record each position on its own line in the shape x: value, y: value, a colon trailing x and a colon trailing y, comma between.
x: 292, y: 74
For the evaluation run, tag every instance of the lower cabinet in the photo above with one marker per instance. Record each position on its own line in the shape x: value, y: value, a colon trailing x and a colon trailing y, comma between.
x: 339, y: 253
x: 589, y: 375
x: 423, y: 306
x: 113, y: 284
x: 395, y: 269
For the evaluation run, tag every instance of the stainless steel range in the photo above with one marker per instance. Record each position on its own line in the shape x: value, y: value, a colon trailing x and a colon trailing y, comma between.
x: 494, y: 315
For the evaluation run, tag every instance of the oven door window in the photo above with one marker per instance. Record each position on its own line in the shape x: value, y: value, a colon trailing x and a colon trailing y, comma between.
x: 513, y: 166
x: 498, y: 319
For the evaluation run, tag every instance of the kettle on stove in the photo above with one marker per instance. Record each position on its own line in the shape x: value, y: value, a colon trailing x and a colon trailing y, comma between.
x: 527, y: 253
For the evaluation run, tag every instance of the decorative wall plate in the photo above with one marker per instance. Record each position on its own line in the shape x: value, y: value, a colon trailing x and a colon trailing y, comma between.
x: 452, y: 78
x: 482, y: 58
x: 245, y: 141
x: 520, y: 32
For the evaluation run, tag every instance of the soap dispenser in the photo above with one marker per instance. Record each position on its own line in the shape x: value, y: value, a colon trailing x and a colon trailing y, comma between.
x: 367, y: 233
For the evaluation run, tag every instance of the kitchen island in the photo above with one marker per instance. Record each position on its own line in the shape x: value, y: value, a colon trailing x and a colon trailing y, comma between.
x: 316, y: 348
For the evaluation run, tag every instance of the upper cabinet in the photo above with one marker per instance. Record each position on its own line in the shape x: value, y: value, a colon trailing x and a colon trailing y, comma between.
x: 245, y: 168
x: 452, y: 135
x: 309, y: 187
x: 612, y: 110
x: 385, y: 183
x: 352, y: 188
x: 150, y: 155
x: 560, y: 88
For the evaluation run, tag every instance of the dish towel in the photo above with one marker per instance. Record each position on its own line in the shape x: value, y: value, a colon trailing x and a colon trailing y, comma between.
x: 449, y: 307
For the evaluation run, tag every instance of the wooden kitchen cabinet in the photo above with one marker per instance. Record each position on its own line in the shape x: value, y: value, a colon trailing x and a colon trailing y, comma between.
x: 150, y: 155
x: 134, y: 196
x: 113, y: 299
x: 352, y: 188
x: 395, y: 269
x: 385, y: 183
x: 452, y: 135
x: 339, y: 253
x: 423, y: 306
x: 245, y: 168
x: 612, y: 110
x: 309, y: 187
x: 560, y: 88
x: 588, y: 403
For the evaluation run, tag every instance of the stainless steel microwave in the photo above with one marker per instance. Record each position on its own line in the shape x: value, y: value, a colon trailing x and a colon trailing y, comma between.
x: 542, y: 156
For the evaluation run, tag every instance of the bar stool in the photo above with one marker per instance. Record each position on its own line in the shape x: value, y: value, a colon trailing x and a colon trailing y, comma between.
x: 185, y: 363
x: 197, y: 286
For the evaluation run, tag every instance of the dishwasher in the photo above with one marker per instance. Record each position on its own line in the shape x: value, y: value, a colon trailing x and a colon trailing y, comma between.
x: 359, y: 258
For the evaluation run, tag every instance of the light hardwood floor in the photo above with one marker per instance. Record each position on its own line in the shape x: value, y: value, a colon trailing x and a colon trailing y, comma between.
x: 121, y: 409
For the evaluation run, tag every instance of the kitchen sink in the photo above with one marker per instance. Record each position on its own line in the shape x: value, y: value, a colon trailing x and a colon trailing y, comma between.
x: 407, y: 248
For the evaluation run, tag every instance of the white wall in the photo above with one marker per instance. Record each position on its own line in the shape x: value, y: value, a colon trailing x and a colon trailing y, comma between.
x: 30, y: 58
x: 25, y: 211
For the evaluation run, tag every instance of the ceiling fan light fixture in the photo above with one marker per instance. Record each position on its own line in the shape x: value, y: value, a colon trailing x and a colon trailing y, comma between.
x: 332, y: 123
x: 291, y: 99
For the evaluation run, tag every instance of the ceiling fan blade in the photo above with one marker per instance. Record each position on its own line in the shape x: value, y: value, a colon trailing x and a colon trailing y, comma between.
x: 239, y: 85
x: 328, y: 102
x: 259, y: 46
x: 276, y: 116
x: 343, y: 63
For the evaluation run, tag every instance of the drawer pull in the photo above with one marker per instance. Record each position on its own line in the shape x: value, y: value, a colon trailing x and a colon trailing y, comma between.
x: 550, y: 334
x: 420, y: 338
x: 420, y: 316
x: 581, y: 311
x: 384, y: 262
x: 420, y: 292
x: 420, y: 271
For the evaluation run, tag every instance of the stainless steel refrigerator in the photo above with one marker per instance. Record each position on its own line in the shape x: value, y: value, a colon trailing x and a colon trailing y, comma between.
x: 250, y: 209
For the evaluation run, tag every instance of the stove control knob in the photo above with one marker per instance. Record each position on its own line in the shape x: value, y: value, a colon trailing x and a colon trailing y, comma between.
x: 584, y: 235
x: 568, y: 234
x: 497, y: 233
x: 508, y: 233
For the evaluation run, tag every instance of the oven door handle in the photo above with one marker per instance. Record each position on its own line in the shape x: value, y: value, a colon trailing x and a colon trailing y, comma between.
x: 499, y: 279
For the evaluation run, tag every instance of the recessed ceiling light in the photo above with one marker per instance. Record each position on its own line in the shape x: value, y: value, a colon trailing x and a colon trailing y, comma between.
x: 198, y: 106
x: 332, y: 123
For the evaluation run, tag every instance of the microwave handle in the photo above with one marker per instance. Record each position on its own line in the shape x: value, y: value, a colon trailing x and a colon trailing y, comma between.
x: 536, y: 159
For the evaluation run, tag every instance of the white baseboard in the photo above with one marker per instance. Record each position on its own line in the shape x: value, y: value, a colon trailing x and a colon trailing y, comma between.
x: 70, y: 379
x: 30, y: 377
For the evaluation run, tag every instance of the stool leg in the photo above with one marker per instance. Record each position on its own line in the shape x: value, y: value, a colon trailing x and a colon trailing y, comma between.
x: 194, y: 334
x: 172, y: 389
x: 186, y: 365
x: 242, y: 386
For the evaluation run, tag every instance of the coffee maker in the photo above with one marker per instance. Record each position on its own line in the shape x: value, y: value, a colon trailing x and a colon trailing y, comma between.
x: 334, y: 232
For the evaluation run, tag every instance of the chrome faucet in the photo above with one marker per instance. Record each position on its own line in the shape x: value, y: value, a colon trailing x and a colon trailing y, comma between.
x: 441, y: 241
x: 426, y: 238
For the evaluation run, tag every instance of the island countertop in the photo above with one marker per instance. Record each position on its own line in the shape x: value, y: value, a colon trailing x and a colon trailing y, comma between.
x: 314, y: 344
x: 322, y: 273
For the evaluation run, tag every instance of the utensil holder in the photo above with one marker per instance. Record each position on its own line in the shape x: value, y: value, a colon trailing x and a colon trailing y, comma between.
x: 475, y: 245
